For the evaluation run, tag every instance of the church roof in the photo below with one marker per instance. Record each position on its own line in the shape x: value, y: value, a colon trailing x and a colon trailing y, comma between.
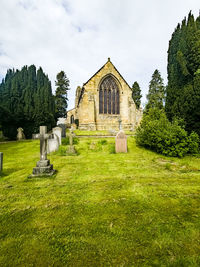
x: 102, y: 68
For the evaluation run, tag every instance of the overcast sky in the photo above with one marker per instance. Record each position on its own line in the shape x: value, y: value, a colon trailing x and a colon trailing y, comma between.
x: 78, y: 36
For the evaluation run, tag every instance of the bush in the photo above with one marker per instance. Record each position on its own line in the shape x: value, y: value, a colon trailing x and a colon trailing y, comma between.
x: 158, y: 134
x: 193, y: 143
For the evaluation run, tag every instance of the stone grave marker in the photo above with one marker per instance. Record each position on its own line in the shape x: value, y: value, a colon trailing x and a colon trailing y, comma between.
x: 1, y: 161
x: 63, y: 127
x: 71, y: 149
x: 120, y: 124
x: 52, y: 143
x: 121, y: 142
x: 20, y: 134
x: 43, y: 166
x: 58, y: 132
x: 62, y: 124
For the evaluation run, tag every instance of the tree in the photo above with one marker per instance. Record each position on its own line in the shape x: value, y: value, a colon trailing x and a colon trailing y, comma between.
x: 136, y: 94
x: 61, y: 99
x: 183, y: 89
x: 156, y: 94
x: 26, y: 97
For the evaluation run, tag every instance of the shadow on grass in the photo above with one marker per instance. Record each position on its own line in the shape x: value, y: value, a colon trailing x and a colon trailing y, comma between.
x: 41, y: 177
x: 9, y: 171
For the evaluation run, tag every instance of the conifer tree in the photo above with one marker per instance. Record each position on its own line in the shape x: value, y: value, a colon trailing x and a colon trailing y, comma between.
x: 156, y: 94
x: 61, y: 99
x: 26, y: 97
x: 136, y: 94
x: 183, y: 90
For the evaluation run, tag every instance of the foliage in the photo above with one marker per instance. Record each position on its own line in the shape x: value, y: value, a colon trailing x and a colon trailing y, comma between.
x: 101, y: 209
x: 61, y: 99
x: 183, y: 90
x: 157, y: 133
x: 136, y: 94
x: 26, y: 101
x: 156, y: 94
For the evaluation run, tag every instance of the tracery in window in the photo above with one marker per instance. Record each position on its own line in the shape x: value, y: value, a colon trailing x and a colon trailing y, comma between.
x: 109, y: 96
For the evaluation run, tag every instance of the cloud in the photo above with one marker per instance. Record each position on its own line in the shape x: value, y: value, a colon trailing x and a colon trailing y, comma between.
x: 78, y: 36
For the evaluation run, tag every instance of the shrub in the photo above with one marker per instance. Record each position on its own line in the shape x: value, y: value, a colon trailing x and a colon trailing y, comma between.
x: 168, y: 138
x: 193, y: 143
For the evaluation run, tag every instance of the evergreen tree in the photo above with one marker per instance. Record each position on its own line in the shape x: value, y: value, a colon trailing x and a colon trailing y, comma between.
x: 156, y: 94
x: 136, y: 94
x: 26, y: 97
x: 61, y: 99
x: 183, y: 89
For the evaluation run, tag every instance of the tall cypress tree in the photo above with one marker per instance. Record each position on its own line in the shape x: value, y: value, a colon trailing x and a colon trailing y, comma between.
x: 183, y: 89
x: 26, y: 96
x: 136, y: 94
x: 156, y: 94
x: 61, y: 99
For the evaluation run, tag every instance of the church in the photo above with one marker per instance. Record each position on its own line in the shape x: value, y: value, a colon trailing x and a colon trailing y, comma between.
x: 103, y: 101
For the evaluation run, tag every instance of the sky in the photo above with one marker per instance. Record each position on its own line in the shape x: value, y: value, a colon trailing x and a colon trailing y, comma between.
x: 78, y: 36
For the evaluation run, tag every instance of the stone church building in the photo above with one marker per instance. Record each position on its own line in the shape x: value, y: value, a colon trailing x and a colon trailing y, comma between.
x: 103, y: 100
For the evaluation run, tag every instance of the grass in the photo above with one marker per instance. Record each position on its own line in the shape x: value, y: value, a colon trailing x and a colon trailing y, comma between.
x: 100, y: 133
x: 101, y: 208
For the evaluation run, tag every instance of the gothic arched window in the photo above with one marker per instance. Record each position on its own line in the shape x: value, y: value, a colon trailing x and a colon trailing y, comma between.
x: 109, y: 96
x: 72, y: 119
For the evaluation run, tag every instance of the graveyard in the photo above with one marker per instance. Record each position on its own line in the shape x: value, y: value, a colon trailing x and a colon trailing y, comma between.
x: 100, y: 208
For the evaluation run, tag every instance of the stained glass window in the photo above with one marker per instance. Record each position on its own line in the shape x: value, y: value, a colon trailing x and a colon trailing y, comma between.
x: 109, y: 96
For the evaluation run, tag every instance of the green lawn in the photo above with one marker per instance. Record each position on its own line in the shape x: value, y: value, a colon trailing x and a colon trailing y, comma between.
x: 100, y: 133
x: 101, y: 208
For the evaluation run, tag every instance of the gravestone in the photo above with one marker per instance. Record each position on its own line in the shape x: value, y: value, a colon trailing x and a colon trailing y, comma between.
x: 63, y: 127
x: 121, y: 142
x: 120, y: 124
x: 58, y: 132
x: 71, y: 149
x: 52, y: 143
x: 62, y: 124
x: 20, y: 134
x: 43, y: 166
x: 1, y: 161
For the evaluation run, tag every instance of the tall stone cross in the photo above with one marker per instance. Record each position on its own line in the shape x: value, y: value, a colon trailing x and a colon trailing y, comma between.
x: 43, y: 136
x: 120, y: 124
x: 43, y: 166
x: 71, y: 137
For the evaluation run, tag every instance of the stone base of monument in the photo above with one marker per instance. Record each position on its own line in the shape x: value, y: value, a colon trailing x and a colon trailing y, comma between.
x: 43, y: 168
x: 71, y: 150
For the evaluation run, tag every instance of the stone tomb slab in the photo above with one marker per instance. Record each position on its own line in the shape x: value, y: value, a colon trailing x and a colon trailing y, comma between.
x: 121, y: 142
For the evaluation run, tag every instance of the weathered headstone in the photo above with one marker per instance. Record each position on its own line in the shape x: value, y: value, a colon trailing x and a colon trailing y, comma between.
x: 62, y: 124
x: 58, y: 132
x: 1, y: 161
x: 43, y: 166
x: 121, y: 142
x: 52, y: 143
x: 71, y: 148
x: 20, y: 134
x: 63, y: 127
